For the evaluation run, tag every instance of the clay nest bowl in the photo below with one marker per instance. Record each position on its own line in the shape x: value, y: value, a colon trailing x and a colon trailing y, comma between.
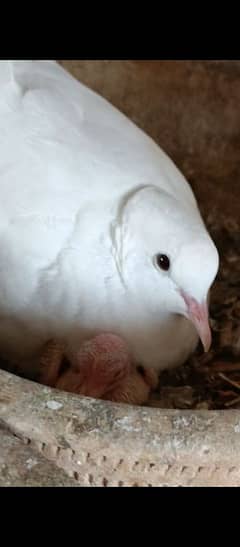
x: 193, y: 438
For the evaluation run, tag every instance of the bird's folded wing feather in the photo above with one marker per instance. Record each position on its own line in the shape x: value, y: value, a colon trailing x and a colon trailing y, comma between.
x: 63, y: 147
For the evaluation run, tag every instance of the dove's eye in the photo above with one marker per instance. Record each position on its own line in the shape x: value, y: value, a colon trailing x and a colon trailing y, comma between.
x: 163, y: 262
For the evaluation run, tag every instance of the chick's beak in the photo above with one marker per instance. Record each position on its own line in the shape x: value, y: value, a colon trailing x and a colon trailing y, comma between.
x: 198, y: 314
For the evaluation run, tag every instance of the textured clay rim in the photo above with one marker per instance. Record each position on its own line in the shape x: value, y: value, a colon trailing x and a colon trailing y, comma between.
x: 101, y: 443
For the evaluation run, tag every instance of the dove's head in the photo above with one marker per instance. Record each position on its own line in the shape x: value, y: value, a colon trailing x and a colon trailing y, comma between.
x: 167, y: 256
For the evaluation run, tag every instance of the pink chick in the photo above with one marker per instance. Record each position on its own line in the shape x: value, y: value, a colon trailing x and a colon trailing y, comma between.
x: 102, y: 368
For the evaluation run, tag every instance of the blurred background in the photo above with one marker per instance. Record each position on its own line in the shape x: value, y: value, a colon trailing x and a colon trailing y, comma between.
x: 191, y: 108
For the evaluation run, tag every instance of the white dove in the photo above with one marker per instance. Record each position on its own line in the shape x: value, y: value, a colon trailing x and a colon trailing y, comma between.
x: 99, y: 231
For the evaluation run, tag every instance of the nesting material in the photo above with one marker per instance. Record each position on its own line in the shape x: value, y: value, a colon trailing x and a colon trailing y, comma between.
x: 212, y: 381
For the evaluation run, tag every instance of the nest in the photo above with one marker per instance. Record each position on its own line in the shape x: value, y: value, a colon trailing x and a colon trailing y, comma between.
x: 208, y: 381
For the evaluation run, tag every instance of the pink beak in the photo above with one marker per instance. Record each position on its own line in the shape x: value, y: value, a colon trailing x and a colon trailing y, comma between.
x: 198, y: 314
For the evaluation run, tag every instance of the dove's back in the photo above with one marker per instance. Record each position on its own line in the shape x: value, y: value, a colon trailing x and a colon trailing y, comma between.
x: 50, y: 123
x: 66, y: 156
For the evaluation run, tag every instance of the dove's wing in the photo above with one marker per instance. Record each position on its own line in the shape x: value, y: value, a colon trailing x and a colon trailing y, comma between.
x: 53, y: 129
x: 63, y: 148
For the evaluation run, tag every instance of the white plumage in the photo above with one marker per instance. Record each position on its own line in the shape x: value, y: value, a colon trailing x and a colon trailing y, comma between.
x: 87, y: 201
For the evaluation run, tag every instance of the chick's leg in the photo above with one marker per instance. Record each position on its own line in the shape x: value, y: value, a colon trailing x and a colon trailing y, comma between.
x: 135, y: 388
x: 50, y: 363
